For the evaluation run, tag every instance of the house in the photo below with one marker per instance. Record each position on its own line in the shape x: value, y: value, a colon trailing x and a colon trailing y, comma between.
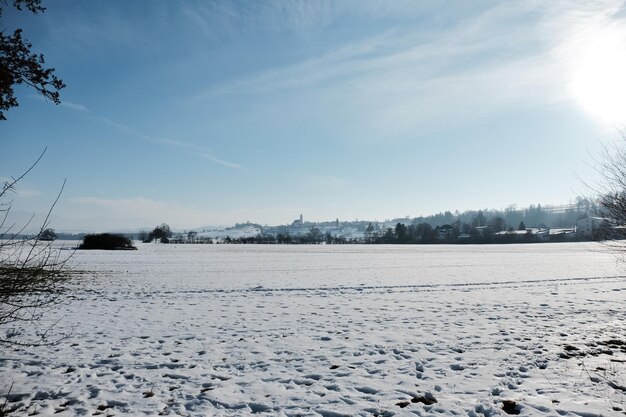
x: 445, y: 232
x: 563, y: 234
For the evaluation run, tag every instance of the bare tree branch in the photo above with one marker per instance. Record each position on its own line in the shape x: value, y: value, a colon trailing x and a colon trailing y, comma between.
x: 32, y: 274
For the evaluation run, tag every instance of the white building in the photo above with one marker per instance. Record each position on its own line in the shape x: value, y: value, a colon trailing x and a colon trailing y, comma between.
x: 586, y: 227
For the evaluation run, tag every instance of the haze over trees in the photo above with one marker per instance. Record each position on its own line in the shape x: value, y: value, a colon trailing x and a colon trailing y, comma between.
x: 472, y: 226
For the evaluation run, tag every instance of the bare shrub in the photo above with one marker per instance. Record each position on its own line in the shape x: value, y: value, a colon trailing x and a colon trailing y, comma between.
x: 32, y: 274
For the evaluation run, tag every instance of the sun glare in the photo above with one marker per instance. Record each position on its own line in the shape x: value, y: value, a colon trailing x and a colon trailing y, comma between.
x: 599, y: 78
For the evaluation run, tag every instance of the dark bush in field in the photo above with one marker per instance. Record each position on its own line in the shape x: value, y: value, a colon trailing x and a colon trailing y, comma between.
x: 106, y: 241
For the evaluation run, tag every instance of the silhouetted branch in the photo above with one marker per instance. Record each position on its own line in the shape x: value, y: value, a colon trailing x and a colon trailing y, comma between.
x: 32, y: 274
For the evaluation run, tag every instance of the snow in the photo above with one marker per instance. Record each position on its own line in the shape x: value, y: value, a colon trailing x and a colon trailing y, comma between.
x: 333, y: 331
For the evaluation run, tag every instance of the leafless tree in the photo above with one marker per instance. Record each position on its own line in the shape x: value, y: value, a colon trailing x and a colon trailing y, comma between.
x: 608, y: 196
x: 32, y: 274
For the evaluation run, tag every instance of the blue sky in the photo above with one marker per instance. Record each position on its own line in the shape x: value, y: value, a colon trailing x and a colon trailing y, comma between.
x: 209, y: 112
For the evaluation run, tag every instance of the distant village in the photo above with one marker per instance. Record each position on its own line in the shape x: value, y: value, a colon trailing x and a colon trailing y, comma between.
x: 578, y: 221
x: 572, y: 222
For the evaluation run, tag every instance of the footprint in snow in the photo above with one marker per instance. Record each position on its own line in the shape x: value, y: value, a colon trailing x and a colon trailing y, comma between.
x: 367, y: 390
x: 457, y: 367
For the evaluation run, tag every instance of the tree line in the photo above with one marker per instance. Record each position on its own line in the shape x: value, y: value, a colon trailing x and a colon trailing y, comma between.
x: 472, y: 226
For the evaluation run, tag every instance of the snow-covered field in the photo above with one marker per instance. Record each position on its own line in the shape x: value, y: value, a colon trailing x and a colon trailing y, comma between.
x: 333, y: 331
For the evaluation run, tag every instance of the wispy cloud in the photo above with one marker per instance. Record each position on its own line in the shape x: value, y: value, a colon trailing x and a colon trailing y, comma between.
x: 28, y: 192
x: 21, y: 189
x: 212, y: 158
x: 197, y: 150
x: 516, y: 53
x: 294, y: 18
x: 190, y: 147
x: 109, y: 122
x: 64, y: 103
x: 75, y: 106
x: 348, y: 60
